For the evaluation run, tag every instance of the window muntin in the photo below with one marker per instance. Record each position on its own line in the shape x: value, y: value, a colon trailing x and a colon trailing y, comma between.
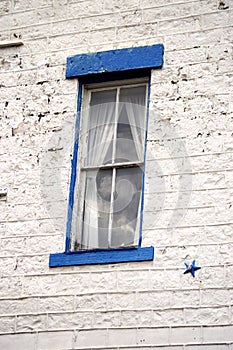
x: 111, y: 157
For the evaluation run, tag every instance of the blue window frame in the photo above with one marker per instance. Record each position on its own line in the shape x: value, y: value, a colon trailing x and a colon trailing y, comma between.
x: 121, y: 68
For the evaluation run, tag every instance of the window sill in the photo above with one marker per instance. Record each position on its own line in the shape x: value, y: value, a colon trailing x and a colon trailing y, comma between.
x: 102, y: 257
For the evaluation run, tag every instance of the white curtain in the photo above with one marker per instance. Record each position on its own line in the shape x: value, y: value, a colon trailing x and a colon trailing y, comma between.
x: 135, y: 108
x: 100, y: 133
x: 100, y: 136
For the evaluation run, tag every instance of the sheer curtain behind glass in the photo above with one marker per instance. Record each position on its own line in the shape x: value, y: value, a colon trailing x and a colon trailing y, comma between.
x: 100, y: 137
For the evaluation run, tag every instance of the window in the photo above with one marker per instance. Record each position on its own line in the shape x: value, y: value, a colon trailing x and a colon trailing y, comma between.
x: 111, y: 163
x: 106, y: 190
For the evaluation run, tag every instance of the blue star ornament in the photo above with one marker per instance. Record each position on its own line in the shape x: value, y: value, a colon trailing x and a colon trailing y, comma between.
x: 191, y: 268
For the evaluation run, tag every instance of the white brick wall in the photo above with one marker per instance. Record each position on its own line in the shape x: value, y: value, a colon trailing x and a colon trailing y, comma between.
x: 188, y: 195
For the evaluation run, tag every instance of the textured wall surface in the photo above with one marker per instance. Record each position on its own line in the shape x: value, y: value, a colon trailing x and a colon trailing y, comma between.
x: 189, y: 179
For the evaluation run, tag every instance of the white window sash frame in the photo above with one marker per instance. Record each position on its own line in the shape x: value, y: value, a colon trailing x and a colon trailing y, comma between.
x: 79, y: 190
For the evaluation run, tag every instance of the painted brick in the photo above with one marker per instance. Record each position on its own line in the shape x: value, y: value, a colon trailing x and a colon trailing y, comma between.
x: 34, y: 285
x: 91, y: 301
x: 18, y: 305
x: 106, y: 319
x: 153, y: 300
x: 118, y: 337
x: 134, y: 318
x: 85, y: 8
x: 7, y: 324
x: 90, y: 338
x: 70, y: 320
x: 207, y: 315
x: 177, y: 25
x: 121, y: 300
x: 127, y: 280
x: 98, y: 281
x: 188, y: 298
x: 28, y: 323
x: 185, y: 335
x: 160, y: 281
x: 18, y: 6
x: 217, y: 334
x: 149, y: 336
x: 54, y: 340
x: 30, y: 227
x: 168, y: 317
x: 56, y: 303
x: 10, y: 286
x: 211, y: 20
x: 131, y: 5
x: 219, y: 297
x: 7, y: 266
x: 21, y: 341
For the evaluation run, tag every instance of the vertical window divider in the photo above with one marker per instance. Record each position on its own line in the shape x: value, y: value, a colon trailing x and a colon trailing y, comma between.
x: 114, y: 169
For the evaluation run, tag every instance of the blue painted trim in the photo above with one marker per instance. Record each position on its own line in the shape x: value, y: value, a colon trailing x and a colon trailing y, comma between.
x: 148, y: 57
x: 144, y: 166
x: 102, y: 257
x: 73, y: 172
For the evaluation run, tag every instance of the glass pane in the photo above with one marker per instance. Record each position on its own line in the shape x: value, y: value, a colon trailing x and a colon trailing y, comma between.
x: 131, y: 124
x: 96, y: 209
x: 127, y: 195
x: 125, y: 148
x: 103, y: 96
x: 101, y: 128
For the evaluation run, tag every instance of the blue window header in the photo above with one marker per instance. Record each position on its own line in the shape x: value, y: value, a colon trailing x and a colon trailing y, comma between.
x: 111, y: 61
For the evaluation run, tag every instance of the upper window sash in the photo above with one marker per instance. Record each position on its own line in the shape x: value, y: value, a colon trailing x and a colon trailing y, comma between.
x: 85, y: 122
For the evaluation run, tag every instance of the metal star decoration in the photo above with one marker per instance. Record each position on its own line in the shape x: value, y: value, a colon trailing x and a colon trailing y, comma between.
x: 191, y: 268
